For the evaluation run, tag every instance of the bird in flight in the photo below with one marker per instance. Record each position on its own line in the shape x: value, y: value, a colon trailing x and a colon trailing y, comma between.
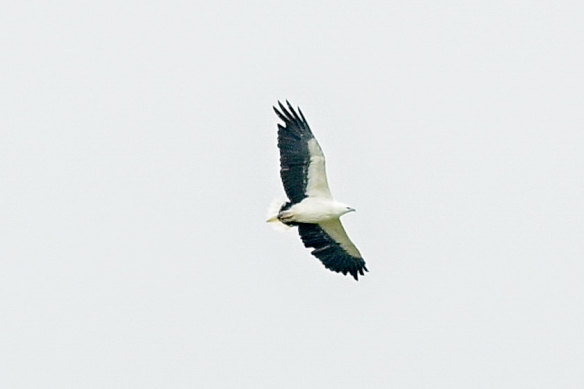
x: 310, y: 205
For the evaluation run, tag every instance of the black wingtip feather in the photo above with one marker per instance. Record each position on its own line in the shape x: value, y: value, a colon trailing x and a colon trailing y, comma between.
x: 296, y: 117
x: 289, y: 117
x: 303, y: 119
x: 280, y: 115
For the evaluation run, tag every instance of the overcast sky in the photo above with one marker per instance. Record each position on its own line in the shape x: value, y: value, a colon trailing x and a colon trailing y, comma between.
x: 138, y: 154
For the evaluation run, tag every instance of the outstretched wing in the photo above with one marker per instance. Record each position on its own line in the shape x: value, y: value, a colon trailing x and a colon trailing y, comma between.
x: 333, y: 247
x: 302, y: 163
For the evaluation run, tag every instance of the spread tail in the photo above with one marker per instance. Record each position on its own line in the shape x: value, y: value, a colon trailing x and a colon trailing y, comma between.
x: 272, y: 215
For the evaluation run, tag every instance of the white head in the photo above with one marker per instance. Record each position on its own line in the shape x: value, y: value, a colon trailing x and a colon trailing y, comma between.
x: 342, y: 208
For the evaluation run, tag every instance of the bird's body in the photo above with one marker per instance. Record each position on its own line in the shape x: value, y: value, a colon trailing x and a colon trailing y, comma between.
x: 311, y: 206
x: 314, y: 210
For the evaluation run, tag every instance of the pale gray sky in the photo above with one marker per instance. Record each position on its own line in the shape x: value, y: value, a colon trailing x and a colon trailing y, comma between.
x: 138, y: 155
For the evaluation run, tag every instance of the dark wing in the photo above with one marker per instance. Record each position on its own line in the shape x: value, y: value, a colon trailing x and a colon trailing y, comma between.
x: 333, y: 247
x: 302, y: 164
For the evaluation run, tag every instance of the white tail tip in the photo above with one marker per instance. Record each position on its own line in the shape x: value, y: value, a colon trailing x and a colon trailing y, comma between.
x: 272, y: 215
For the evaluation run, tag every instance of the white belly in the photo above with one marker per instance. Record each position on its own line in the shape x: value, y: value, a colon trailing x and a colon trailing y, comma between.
x: 314, y: 210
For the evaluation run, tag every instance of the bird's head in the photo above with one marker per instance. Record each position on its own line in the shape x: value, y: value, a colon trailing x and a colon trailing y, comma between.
x: 344, y: 208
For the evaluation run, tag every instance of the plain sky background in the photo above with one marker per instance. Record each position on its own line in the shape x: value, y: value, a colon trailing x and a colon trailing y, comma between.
x: 138, y: 154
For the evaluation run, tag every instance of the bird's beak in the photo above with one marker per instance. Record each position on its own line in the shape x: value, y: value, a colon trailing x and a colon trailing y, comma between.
x: 352, y: 210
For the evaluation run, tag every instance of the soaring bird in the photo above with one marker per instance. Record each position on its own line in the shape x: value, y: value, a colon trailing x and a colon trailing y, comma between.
x: 310, y: 205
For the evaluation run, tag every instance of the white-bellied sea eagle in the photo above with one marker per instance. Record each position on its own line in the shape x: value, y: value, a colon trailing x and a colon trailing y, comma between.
x: 311, y: 206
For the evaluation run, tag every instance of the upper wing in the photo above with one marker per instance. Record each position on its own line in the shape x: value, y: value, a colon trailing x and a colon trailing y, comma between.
x: 302, y: 163
x: 333, y: 247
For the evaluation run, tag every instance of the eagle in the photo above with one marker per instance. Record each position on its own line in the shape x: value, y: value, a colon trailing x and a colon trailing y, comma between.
x: 310, y: 206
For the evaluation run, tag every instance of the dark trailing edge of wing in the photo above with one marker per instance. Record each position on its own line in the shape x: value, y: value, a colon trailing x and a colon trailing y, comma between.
x: 293, y: 140
x: 330, y: 253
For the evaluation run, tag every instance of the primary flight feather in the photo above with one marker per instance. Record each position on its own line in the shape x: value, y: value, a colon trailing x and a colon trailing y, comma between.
x: 311, y: 206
